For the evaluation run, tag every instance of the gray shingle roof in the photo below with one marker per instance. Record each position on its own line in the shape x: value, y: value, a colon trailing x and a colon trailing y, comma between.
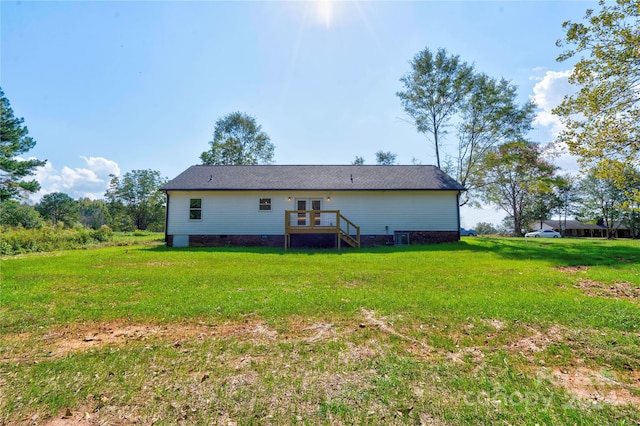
x: 571, y: 224
x: 306, y: 177
x: 575, y: 224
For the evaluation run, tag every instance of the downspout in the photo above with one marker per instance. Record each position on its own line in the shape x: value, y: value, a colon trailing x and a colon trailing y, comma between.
x: 458, y: 212
x: 166, y: 220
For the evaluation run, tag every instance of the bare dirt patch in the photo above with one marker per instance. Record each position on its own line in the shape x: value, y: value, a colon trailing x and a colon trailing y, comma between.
x: 538, y: 341
x: 69, y: 418
x: 620, y: 289
x: 321, y: 331
x: 84, y: 337
x: 354, y: 354
x: 261, y: 330
x: 571, y: 269
x: 76, y: 338
x: 354, y: 283
x: 382, y: 324
x: 93, y: 336
x: 594, y: 386
x: 160, y: 263
x: 495, y: 323
x: 475, y: 354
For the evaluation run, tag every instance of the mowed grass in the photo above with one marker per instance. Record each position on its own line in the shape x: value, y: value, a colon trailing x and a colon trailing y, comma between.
x: 484, y: 331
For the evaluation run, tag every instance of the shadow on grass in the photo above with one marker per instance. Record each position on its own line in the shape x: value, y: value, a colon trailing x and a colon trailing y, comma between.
x: 570, y: 252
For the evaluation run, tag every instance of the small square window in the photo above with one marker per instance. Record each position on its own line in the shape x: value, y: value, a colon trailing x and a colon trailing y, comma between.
x: 265, y: 204
x: 195, y: 209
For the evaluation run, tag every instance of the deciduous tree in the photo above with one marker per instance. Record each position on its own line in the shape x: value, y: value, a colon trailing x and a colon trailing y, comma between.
x: 14, y: 214
x: 512, y: 174
x: 441, y: 88
x: 489, y: 115
x: 601, y: 200
x: 358, y: 161
x: 385, y: 158
x: 138, y: 193
x: 238, y: 139
x: 541, y: 206
x: 603, y: 118
x: 434, y: 90
x: 485, y: 228
x: 14, y: 140
x: 93, y: 213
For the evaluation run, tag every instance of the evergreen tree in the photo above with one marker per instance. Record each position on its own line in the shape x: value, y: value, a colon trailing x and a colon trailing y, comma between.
x: 13, y: 142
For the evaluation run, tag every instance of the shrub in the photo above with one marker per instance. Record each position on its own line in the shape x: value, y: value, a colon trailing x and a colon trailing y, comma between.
x: 102, y: 234
x: 47, y: 238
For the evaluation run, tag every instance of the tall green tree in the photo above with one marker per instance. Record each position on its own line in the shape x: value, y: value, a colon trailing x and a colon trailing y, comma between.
x: 387, y: 158
x: 567, y: 196
x: 58, y: 207
x: 14, y: 214
x: 358, y: 161
x: 603, y: 118
x: 485, y: 228
x: 541, y: 206
x: 631, y: 204
x: 238, y: 139
x: 601, y: 201
x: 14, y: 141
x: 441, y: 89
x: 138, y: 193
x: 93, y: 213
x: 433, y: 92
x: 489, y: 115
x: 512, y: 176
x: 120, y: 217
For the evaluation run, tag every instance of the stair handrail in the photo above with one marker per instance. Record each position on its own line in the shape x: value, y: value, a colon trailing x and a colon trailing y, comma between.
x: 347, y: 232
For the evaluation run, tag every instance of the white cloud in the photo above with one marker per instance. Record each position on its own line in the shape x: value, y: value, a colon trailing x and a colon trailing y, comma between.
x: 548, y: 92
x: 91, y: 181
x: 101, y: 165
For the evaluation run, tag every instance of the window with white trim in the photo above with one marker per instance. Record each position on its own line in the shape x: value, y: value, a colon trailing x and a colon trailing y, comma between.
x: 265, y: 204
x: 195, y: 209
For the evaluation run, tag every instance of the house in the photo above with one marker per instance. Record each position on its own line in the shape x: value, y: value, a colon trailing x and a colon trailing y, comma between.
x: 574, y: 228
x: 311, y: 206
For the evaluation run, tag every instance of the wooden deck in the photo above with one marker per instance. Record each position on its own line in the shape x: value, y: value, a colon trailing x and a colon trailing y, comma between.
x: 320, y: 222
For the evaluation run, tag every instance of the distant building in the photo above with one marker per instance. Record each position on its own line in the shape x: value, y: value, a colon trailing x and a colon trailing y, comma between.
x: 574, y: 228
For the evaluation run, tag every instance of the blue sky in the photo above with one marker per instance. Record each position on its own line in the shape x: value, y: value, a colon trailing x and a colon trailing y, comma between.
x: 110, y: 87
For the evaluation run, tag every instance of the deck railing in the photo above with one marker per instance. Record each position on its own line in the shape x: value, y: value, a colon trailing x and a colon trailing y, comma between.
x: 320, y: 222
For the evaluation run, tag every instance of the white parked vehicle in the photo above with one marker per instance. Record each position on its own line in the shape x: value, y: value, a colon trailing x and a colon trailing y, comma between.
x: 544, y: 233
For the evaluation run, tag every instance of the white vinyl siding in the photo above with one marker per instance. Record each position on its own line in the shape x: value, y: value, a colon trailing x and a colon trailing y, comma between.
x: 400, y: 211
x: 226, y: 213
x: 376, y: 212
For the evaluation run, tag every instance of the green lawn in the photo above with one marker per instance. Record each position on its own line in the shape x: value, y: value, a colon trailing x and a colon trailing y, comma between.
x: 484, y: 331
